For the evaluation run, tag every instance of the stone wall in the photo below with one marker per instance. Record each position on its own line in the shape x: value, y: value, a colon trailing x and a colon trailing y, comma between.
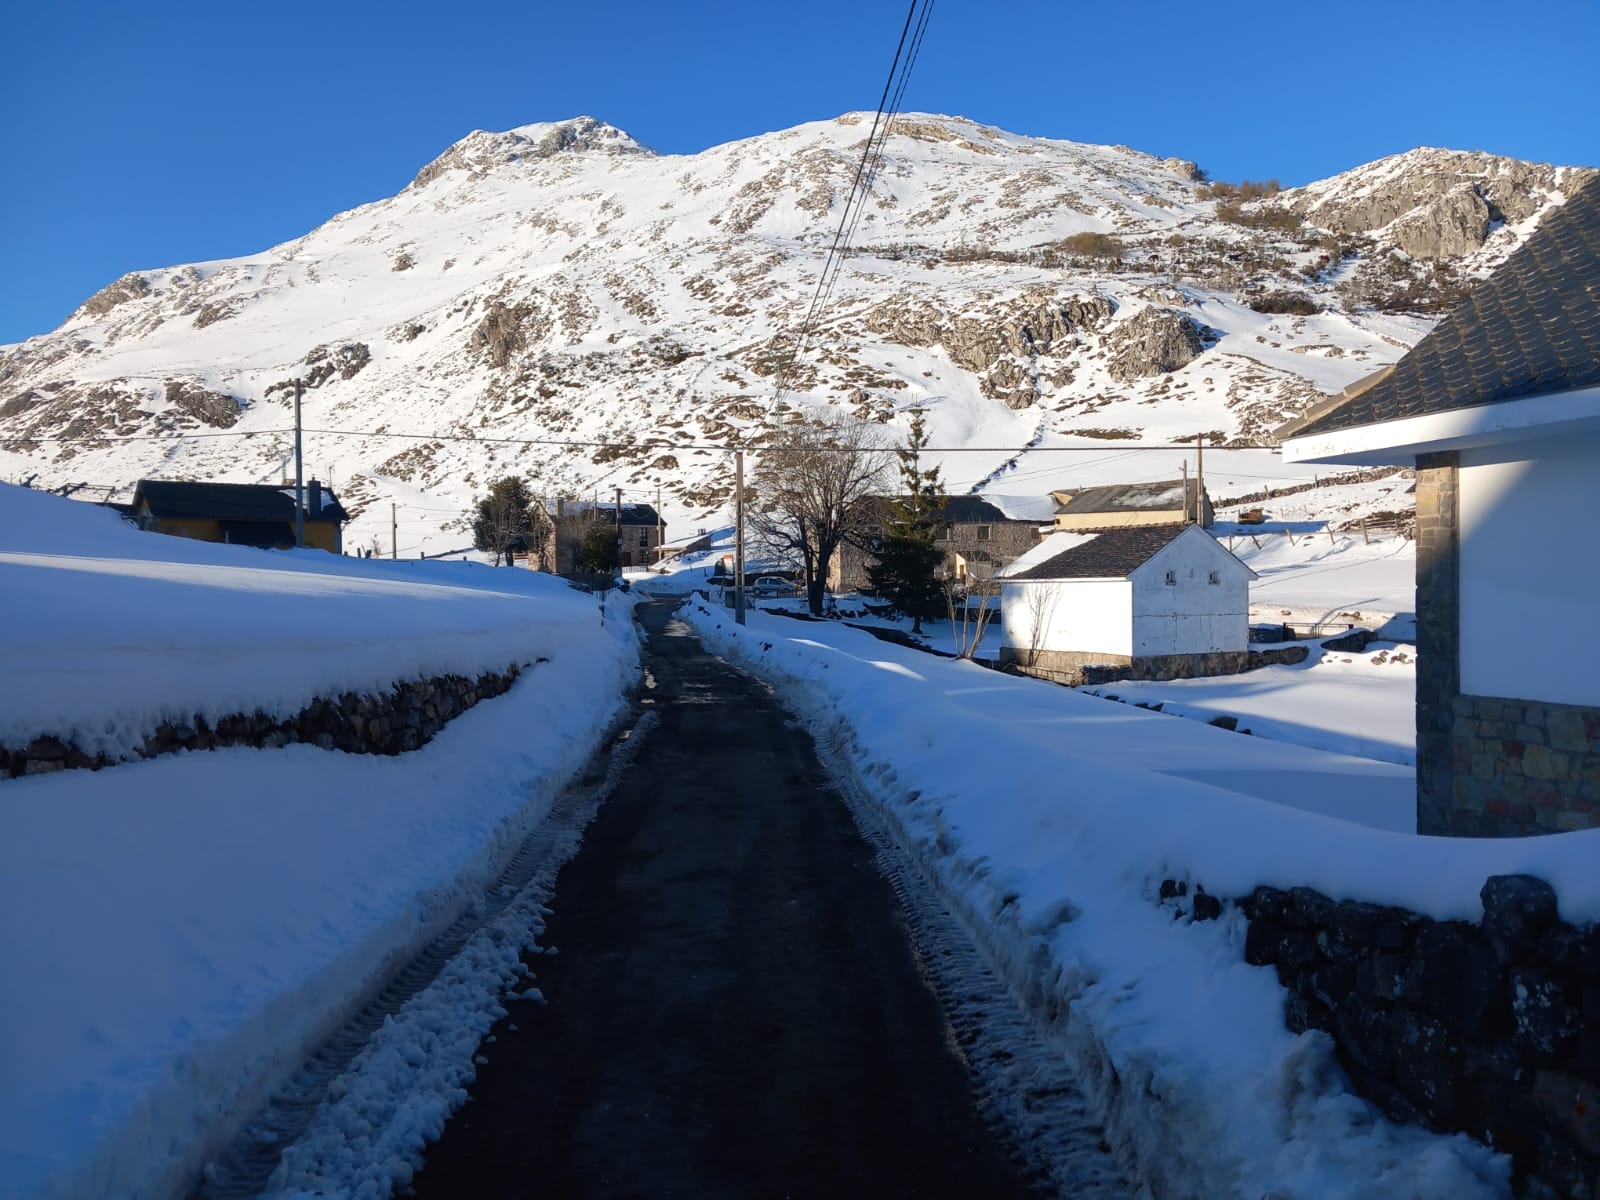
x: 1520, y: 767
x: 1491, y: 1029
x: 1075, y: 668
x: 401, y: 719
x: 1438, y: 644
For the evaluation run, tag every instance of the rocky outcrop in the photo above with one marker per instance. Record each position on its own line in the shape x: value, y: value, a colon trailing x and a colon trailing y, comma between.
x: 1489, y: 1029
x: 203, y: 404
x: 501, y: 334
x: 1433, y: 203
x: 1152, y: 342
x: 481, y: 151
x: 1003, y: 346
x: 131, y: 286
x: 392, y: 722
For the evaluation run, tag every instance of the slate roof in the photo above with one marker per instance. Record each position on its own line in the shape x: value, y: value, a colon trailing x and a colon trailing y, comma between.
x: 1112, y: 554
x: 958, y: 510
x: 1129, y: 497
x: 1532, y: 327
x: 229, y: 501
x: 632, y: 514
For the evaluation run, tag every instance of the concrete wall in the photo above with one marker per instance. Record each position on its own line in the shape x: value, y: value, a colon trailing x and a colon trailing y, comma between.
x: 1191, y: 615
x: 1529, y: 529
x: 1081, y: 617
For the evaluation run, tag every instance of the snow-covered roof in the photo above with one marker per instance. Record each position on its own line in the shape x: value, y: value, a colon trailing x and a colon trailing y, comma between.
x: 1039, y: 509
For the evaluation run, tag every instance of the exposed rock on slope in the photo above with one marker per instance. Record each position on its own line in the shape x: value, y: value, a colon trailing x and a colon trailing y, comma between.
x: 563, y: 283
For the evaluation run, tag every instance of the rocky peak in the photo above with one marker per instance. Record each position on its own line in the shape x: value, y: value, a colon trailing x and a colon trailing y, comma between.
x: 482, y: 151
x: 1433, y: 203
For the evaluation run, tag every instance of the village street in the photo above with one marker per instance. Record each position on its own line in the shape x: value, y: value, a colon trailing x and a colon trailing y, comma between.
x: 736, y: 1008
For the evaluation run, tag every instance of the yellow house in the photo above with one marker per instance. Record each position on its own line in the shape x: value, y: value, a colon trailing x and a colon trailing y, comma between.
x: 1127, y: 505
x: 243, y: 514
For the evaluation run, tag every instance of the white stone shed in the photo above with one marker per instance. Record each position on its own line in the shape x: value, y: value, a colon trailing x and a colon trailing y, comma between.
x: 1159, y: 602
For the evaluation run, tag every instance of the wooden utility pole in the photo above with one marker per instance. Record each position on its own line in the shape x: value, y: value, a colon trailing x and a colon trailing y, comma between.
x: 1200, y: 480
x: 394, y: 533
x: 299, y: 487
x: 661, y: 532
x: 1185, y: 492
x: 738, y: 536
x: 619, y: 532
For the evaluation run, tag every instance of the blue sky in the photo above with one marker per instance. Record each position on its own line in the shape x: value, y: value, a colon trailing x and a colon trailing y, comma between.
x: 140, y: 136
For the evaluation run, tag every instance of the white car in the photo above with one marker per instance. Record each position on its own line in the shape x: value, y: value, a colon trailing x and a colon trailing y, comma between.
x: 771, y: 585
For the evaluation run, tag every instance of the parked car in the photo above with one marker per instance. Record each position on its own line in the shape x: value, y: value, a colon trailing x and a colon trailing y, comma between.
x: 771, y: 585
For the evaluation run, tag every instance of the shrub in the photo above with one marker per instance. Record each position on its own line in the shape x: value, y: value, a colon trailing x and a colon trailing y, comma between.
x: 1297, y: 303
x: 1093, y: 245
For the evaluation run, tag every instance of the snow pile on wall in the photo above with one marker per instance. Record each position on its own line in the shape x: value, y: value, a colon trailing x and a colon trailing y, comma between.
x: 178, y: 932
x: 1051, y: 819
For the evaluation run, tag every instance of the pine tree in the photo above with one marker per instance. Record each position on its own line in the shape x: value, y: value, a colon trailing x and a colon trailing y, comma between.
x: 907, y: 555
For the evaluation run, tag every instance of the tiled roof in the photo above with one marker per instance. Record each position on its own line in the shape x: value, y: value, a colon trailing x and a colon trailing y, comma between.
x: 1532, y: 327
x: 1168, y: 494
x: 229, y: 501
x: 632, y: 514
x: 1112, y: 554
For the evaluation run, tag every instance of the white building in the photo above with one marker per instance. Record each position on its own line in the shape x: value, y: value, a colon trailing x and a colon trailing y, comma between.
x: 1498, y: 409
x: 1157, y: 602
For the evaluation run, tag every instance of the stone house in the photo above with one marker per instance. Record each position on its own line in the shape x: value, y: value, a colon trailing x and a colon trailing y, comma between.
x: 1498, y: 408
x: 1155, y: 602
x: 978, y: 537
x: 642, y: 532
x: 1124, y: 505
x: 243, y: 514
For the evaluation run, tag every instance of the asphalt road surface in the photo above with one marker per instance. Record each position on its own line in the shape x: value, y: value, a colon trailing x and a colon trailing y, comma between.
x: 735, y: 1008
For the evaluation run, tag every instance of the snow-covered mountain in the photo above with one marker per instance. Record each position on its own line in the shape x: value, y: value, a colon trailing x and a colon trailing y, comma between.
x: 563, y: 282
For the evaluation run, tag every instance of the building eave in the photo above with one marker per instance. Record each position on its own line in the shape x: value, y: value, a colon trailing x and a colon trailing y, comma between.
x: 1399, y: 442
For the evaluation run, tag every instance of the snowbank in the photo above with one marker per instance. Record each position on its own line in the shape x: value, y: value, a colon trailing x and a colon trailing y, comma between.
x: 178, y: 932
x: 108, y: 631
x: 1051, y: 818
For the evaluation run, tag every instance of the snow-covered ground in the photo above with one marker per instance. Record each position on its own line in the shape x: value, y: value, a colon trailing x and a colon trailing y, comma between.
x: 1351, y: 702
x: 178, y: 932
x: 1050, y: 819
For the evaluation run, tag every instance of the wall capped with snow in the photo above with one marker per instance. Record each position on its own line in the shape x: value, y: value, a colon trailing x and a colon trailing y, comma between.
x: 1484, y: 1028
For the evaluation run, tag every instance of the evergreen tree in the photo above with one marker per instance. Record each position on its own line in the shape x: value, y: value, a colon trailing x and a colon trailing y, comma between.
x: 907, y: 556
x: 510, y: 517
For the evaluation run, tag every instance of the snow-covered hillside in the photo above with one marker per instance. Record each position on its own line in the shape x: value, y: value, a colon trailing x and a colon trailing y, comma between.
x: 561, y: 282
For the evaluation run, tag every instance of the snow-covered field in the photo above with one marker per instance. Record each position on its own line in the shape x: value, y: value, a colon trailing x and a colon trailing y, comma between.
x: 1351, y: 702
x: 178, y: 932
x: 1050, y: 819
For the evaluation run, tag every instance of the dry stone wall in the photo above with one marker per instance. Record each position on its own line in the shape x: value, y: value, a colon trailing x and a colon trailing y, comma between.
x: 394, y: 722
x: 1491, y: 1029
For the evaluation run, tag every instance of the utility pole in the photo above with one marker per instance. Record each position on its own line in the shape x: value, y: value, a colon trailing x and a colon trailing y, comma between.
x: 1200, y: 479
x: 661, y: 532
x: 619, y: 532
x: 394, y: 533
x: 738, y: 536
x: 299, y: 487
x: 1186, y: 491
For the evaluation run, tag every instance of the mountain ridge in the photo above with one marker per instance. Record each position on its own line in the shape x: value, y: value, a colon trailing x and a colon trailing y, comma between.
x: 561, y: 281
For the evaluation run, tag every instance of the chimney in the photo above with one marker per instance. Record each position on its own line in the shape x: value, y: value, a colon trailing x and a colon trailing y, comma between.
x: 561, y: 506
x: 314, y: 497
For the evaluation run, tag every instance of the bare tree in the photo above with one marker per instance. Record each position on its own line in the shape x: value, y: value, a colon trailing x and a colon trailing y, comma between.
x: 811, y: 492
x: 967, y: 626
x: 1039, y: 602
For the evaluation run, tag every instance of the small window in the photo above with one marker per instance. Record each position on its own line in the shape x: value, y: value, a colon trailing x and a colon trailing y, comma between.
x: 1172, y: 579
x: 644, y: 538
x: 1214, y: 577
x: 983, y: 533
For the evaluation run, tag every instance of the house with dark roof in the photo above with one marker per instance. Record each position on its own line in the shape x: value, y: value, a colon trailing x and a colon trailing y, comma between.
x: 1128, y: 505
x: 1145, y: 602
x: 1498, y: 409
x: 243, y: 514
x: 640, y: 529
x: 977, y: 537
